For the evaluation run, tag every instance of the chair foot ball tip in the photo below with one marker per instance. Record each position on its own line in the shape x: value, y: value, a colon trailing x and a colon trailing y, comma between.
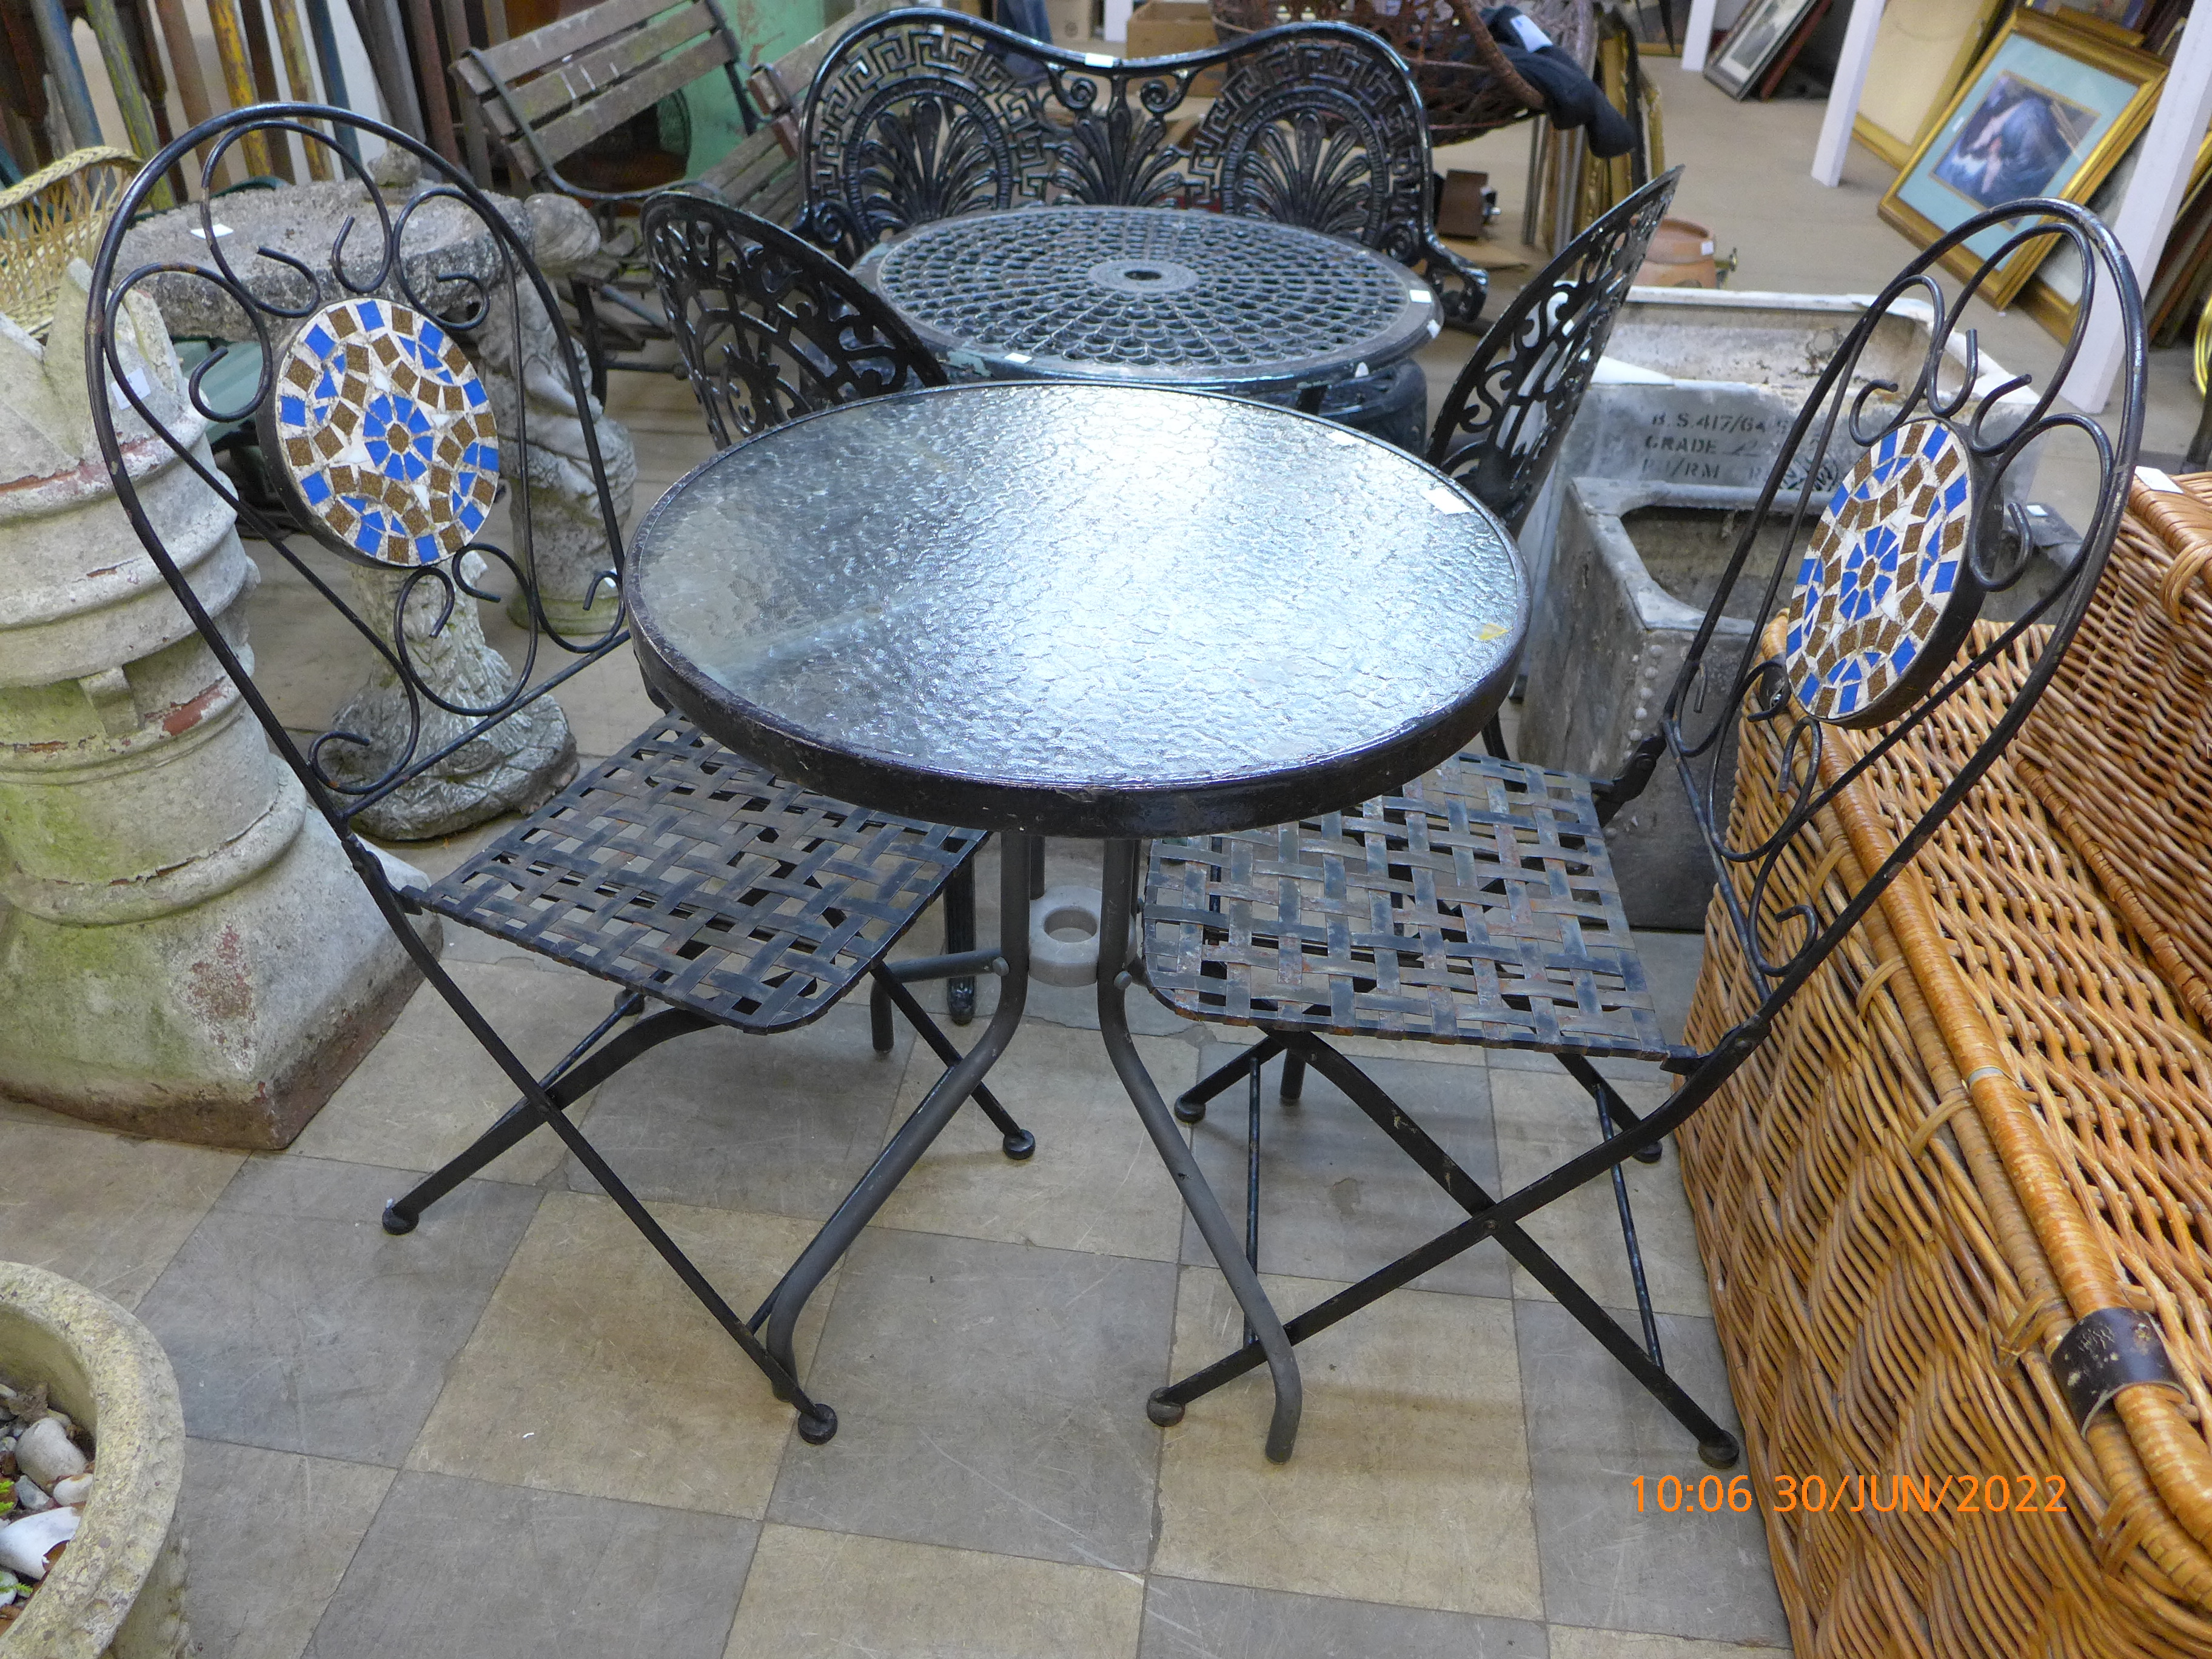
x: 396, y: 1220
x: 1189, y: 1111
x: 1165, y: 1412
x: 1019, y: 1145
x: 1648, y: 1155
x: 818, y: 1429
x: 1720, y: 1454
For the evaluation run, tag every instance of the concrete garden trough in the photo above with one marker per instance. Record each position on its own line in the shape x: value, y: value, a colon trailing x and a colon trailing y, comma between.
x: 116, y: 1592
x: 1638, y: 564
x: 1698, y: 387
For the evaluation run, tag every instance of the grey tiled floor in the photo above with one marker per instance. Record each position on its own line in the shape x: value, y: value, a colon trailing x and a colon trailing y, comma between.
x: 513, y: 1433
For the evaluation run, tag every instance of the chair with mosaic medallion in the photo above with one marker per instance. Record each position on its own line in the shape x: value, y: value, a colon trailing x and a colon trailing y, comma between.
x: 708, y: 890
x: 1477, y: 904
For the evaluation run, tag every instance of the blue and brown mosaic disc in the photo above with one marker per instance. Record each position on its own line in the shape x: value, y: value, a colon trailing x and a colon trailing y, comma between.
x: 386, y: 433
x: 1883, y: 590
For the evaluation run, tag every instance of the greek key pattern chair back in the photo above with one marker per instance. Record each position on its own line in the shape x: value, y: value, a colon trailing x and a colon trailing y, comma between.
x: 770, y: 326
x: 922, y: 114
x: 1504, y: 417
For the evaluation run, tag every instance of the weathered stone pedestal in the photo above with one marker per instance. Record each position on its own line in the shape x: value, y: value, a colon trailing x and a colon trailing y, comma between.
x: 567, y: 535
x: 183, y: 951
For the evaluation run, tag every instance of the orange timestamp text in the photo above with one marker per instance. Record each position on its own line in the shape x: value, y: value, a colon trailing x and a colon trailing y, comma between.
x: 1884, y: 1494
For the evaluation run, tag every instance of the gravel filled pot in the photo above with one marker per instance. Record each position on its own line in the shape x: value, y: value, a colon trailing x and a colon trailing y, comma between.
x: 117, y: 1589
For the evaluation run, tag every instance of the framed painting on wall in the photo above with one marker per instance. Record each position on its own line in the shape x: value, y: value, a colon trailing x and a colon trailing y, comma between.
x: 2049, y: 110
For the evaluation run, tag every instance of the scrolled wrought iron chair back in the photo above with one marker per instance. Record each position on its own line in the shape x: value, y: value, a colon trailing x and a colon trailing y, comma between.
x: 923, y: 113
x: 390, y: 408
x: 1842, y: 635
x: 769, y: 326
x: 1503, y: 422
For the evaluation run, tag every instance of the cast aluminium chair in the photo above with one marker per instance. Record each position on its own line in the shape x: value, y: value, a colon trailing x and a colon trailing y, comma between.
x: 1501, y: 423
x: 709, y: 890
x: 770, y: 326
x: 1506, y: 415
x: 923, y: 113
x: 1477, y: 903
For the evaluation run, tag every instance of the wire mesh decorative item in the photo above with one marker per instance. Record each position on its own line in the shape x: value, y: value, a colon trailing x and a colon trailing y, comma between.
x: 55, y: 216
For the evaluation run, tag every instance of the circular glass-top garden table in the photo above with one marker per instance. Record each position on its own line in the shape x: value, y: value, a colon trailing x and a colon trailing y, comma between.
x: 1154, y: 296
x: 1042, y: 608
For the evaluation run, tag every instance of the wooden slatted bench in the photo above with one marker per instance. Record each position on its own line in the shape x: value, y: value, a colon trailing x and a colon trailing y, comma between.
x: 544, y: 95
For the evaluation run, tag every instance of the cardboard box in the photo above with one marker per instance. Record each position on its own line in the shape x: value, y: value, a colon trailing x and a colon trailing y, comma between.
x: 1161, y: 29
x: 1071, y: 21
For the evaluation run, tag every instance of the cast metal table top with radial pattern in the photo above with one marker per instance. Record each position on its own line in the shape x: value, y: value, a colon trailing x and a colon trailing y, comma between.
x: 1159, y: 296
x: 1078, y: 610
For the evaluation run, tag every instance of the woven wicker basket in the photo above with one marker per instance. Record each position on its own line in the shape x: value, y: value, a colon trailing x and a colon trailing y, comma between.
x: 2120, y: 748
x: 1985, y: 1117
x: 56, y: 214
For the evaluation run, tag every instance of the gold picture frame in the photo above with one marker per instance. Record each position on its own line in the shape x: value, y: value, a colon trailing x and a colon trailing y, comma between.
x: 1921, y: 53
x: 2052, y: 291
x: 2049, y: 110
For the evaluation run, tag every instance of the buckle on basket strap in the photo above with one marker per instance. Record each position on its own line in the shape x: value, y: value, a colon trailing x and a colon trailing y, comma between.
x: 2113, y: 1348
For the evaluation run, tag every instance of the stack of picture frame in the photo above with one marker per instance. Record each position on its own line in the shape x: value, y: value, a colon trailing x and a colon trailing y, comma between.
x: 2053, y: 108
x: 1762, y: 45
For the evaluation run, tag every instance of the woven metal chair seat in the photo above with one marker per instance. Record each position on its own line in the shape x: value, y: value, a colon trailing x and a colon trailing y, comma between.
x: 1476, y: 904
x: 703, y: 880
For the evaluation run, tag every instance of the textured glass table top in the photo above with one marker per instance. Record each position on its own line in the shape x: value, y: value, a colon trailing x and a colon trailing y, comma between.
x: 1163, y: 296
x: 1079, y: 610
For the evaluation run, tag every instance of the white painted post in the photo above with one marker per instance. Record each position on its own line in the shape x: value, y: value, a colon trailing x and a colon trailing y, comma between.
x: 1698, y: 36
x: 2146, y: 211
x: 1845, y: 92
x: 1117, y: 19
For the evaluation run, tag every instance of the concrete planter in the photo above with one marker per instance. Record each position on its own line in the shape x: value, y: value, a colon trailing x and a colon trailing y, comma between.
x: 118, y: 1591
x: 1637, y: 565
x: 1699, y: 386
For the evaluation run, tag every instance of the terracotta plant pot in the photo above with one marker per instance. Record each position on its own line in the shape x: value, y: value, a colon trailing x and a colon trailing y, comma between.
x: 117, y: 1590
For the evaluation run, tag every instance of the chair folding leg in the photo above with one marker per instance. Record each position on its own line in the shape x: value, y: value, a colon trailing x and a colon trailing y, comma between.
x: 1716, y: 1446
x: 1610, y: 1106
x: 1015, y: 1141
x: 1190, y: 1104
x: 565, y: 1084
x: 572, y: 1078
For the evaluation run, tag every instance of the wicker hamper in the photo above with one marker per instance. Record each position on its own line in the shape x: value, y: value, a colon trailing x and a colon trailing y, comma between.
x: 1987, y: 1116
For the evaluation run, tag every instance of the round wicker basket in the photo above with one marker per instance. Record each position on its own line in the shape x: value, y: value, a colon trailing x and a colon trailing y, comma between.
x: 55, y: 216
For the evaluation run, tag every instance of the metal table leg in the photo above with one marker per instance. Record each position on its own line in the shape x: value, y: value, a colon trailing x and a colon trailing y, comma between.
x: 1118, y: 893
x: 785, y: 1303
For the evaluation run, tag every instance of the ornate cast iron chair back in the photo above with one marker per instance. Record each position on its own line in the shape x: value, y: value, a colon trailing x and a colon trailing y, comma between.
x: 389, y: 409
x: 1467, y: 86
x: 1862, y: 615
x: 769, y: 324
x: 1503, y: 421
x: 923, y: 113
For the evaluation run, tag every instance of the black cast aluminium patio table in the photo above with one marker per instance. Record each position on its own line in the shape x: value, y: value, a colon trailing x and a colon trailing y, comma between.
x: 1166, y: 296
x: 1049, y: 609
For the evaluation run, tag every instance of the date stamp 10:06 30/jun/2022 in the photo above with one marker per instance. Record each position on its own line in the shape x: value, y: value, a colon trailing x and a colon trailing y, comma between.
x: 1885, y: 1494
